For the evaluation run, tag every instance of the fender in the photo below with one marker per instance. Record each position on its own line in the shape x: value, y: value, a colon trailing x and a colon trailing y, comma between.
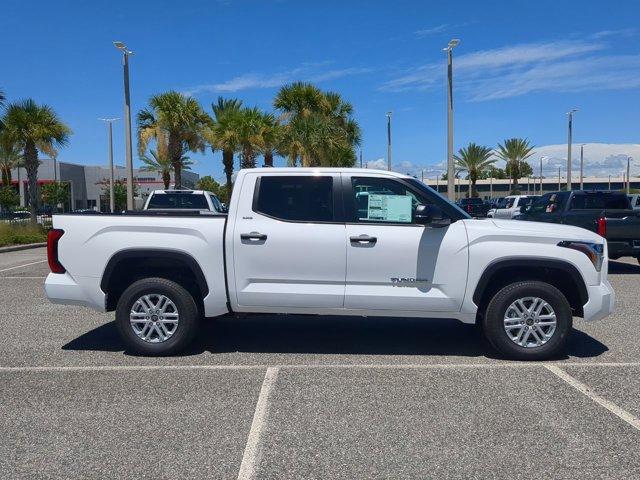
x: 526, y: 262
x: 147, y: 253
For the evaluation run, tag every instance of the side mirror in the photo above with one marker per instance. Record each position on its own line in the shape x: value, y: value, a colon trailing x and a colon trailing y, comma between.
x: 431, y: 215
x: 525, y: 209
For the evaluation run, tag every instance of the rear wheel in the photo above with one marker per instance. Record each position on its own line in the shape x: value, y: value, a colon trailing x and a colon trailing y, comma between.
x: 156, y: 316
x: 528, y: 320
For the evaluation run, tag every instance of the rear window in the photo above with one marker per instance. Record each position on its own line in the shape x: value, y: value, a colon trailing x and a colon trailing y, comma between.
x: 600, y: 201
x: 178, y: 200
x: 296, y: 198
x: 472, y: 201
x: 549, y: 203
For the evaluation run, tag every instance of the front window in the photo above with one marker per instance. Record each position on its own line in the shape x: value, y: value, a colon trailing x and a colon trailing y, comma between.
x: 548, y: 203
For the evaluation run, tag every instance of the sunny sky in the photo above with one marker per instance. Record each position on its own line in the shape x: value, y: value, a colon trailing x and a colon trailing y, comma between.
x: 519, y: 67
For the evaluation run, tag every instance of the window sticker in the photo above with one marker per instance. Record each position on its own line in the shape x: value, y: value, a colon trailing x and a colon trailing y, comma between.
x: 389, y: 208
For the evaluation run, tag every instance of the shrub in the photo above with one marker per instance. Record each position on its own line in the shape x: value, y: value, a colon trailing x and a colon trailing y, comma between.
x: 11, y: 234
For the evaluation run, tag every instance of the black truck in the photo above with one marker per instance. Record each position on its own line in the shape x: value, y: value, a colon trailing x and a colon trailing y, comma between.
x: 476, y: 207
x: 605, y: 212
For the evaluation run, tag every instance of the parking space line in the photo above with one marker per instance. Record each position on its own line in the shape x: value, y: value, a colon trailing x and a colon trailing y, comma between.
x: 426, y: 366
x: 23, y: 277
x: 20, y: 266
x: 252, y: 451
x: 603, y: 402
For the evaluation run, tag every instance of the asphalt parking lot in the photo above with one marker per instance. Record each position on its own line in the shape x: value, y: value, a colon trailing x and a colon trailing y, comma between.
x: 291, y: 397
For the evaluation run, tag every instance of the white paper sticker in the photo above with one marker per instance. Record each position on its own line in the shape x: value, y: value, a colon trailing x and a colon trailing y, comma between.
x: 389, y: 208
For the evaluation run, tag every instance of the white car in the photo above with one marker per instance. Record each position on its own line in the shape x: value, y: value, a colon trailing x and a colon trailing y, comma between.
x: 512, y: 206
x: 307, y: 241
x: 634, y: 199
x: 185, y: 200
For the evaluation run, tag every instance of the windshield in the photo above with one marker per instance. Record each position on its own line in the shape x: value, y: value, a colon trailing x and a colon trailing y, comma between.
x: 178, y: 200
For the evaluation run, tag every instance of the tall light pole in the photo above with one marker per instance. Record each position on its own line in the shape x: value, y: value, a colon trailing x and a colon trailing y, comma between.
x: 628, y: 175
x: 541, y: 175
x: 569, y: 141
x: 360, y: 158
x: 389, y: 141
x: 127, y: 122
x: 559, y: 183
x: 582, y: 167
x: 112, y: 200
x: 450, y: 163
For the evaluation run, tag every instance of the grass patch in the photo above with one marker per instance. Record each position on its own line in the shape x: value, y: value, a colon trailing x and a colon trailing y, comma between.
x: 21, y: 234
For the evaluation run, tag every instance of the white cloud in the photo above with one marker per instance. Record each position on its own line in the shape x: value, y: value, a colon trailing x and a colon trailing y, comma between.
x: 560, y: 66
x: 426, y: 32
x: 247, y: 81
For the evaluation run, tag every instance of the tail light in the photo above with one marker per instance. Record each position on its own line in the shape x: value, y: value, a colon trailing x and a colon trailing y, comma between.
x: 469, y: 208
x: 52, y: 250
x: 602, y: 226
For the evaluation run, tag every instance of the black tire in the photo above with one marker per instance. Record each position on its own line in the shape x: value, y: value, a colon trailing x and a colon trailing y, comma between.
x: 494, y: 329
x: 185, y: 331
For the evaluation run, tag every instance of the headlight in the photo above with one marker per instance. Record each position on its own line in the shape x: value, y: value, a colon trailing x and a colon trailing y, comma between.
x: 594, y: 251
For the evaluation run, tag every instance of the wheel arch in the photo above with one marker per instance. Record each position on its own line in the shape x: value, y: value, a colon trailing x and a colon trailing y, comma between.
x: 561, y: 274
x: 127, y: 266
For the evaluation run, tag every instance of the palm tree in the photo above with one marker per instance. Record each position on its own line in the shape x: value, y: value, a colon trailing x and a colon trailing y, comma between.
x: 222, y: 134
x: 177, y: 120
x: 159, y: 162
x: 270, y: 137
x: 34, y: 128
x: 320, y: 130
x: 515, y: 151
x: 474, y: 159
x: 10, y: 157
x: 248, y: 124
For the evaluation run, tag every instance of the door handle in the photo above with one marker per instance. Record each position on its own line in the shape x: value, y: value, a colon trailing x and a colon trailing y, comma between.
x: 253, y: 236
x: 363, y: 239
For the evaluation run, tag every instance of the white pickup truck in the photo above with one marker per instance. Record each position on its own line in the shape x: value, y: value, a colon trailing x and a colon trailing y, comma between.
x: 330, y: 242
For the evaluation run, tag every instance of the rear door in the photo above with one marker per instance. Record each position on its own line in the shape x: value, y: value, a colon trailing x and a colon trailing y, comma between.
x: 394, y: 263
x: 288, y: 242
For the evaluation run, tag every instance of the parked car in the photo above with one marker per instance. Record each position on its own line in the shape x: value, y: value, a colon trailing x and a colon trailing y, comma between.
x: 302, y: 241
x: 634, y: 200
x: 605, y: 212
x: 185, y: 200
x: 476, y: 207
x: 512, y: 206
x: 495, y: 204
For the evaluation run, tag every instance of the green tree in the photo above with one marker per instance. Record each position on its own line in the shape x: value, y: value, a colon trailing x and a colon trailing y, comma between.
x: 222, y: 134
x: 271, y: 132
x: 514, y: 151
x: 524, y: 169
x: 55, y: 193
x: 474, y: 159
x: 10, y: 157
x: 210, y: 185
x: 119, y: 193
x: 319, y: 129
x: 176, y: 122
x: 160, y: 163
x: 9, y: 198
x: 34, y: 128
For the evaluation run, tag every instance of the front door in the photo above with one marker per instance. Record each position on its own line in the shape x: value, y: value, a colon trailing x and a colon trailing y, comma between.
x: 394, y: 263
x: 289, y: 249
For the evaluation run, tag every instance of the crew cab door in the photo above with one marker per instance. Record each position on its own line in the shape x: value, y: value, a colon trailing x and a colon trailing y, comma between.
x: 288, y: 242
x: 394, y: 263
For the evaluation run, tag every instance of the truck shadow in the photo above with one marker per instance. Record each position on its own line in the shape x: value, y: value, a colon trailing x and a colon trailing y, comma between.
x: 623, y: 267
x: 296, y: 334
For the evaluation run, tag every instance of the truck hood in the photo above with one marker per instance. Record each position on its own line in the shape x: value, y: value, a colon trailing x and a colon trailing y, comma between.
x: 543, y: 229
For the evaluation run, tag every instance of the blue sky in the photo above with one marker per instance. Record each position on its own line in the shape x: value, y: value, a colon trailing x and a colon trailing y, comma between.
x: 519, y: 67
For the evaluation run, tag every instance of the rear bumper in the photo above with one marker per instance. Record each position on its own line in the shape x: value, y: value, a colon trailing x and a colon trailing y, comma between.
x: 601, y: 302
x: 623, y: 249
x: 62, y: 288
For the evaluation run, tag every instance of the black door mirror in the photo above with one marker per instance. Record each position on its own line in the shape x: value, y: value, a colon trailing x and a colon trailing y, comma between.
x: 431, y: 215
x: 525, y: 209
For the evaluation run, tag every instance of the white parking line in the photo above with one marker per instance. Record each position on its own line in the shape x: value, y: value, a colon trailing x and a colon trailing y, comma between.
x: 22, y: 278
x: 252, y: 451
x: 20, y: 266
x: 426, y: 366
x: 581, y: 387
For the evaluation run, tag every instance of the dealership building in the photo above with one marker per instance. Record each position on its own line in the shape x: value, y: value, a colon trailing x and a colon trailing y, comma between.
x: 88, y: 182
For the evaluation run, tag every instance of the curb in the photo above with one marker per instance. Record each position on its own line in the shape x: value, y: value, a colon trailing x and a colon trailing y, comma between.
x: 14, y: 248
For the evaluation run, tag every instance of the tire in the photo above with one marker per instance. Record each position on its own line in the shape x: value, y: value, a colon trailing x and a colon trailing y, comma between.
x: 498, y: 321
x: 180, y: 317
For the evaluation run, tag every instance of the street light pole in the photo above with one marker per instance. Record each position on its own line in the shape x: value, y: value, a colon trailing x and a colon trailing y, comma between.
x: 450, y: 164
x: 540, y: 175
x: 389, y: 141
x: 559, y: 183
x: 628, y: 175
x: 127, y: 122
x: 569, y: 141
x: 112, y: 200
x: 582, y: 167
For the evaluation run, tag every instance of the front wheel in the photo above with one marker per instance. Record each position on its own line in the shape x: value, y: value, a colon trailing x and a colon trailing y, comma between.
x: 528, y: 320
x: 156, y: 316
